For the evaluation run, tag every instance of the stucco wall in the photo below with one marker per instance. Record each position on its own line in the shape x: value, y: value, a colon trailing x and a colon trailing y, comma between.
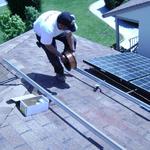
x: 141, y: 15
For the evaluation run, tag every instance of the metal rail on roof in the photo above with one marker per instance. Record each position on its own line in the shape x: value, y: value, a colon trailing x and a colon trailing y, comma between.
x: 111, y: 87
x: 80, y: 119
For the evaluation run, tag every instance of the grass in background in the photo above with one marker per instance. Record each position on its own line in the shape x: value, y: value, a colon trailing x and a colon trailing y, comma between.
x: 1, y: 37
x: 2, y: 10
x: 89, y: 26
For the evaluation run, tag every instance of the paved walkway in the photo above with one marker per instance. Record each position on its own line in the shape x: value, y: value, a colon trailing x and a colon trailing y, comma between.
x: 98, y: 8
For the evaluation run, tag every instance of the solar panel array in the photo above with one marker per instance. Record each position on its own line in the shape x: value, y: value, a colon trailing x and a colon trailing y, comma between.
x: 143, y: 83
x: 126, y: 66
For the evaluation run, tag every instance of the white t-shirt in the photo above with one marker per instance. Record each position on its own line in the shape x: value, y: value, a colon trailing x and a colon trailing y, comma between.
x: 46, y: 26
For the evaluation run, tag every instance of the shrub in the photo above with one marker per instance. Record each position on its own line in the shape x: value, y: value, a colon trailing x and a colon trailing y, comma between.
x: 4, y: 19
x: 18, y: 6
x: 110, y: 4
x: 31, y: 14
x: 11, y: 26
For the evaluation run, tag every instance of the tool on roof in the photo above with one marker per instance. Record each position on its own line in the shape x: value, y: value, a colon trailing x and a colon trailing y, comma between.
x: 69, y: 60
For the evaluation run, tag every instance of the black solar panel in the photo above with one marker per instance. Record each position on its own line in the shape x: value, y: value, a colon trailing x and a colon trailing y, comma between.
x: 130, y: 67
x: 127, y: 66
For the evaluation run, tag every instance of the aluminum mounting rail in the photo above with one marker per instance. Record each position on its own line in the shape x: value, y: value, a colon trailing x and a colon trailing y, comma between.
x: 111, y: 87
x: 58, y: 102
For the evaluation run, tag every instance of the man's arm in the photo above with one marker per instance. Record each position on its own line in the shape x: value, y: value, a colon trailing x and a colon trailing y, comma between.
x: 70, y: 41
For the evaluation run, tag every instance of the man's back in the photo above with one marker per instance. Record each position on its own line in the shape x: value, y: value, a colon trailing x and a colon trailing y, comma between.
x: 46, y: 26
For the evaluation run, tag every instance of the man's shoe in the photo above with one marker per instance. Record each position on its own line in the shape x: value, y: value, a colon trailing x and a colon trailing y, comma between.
x: 61, y: 77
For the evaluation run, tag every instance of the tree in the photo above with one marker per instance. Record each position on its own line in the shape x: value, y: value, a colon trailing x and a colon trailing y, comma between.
x: 18, y: 6
x: 111, y: 4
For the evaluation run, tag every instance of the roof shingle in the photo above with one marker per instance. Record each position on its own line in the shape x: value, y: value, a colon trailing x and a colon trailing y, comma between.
x: 54, y: 129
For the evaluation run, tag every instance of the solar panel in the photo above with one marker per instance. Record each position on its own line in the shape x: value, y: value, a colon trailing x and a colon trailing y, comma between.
x: 143, y: 83
x: 126, y: 66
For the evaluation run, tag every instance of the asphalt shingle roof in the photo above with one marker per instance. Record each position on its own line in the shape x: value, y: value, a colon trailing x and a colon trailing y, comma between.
x: 54, y: 129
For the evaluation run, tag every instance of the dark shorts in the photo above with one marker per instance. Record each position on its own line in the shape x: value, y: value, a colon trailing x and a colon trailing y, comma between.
x: 54, y: 60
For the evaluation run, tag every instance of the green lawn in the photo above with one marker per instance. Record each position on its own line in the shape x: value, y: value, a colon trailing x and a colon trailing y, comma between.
x: 3, y: 9
x: 89, y: 26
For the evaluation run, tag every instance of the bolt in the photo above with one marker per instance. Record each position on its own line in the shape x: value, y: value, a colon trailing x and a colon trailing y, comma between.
x: 96, y: 88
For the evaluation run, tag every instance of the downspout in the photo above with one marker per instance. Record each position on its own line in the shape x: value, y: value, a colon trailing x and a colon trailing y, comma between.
x: 117, y: 34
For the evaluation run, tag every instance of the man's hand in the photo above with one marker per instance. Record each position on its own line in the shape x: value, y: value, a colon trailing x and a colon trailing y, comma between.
x: 62, y: 57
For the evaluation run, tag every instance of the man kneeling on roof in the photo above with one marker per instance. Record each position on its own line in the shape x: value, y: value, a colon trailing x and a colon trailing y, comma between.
x: 51, y: 26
